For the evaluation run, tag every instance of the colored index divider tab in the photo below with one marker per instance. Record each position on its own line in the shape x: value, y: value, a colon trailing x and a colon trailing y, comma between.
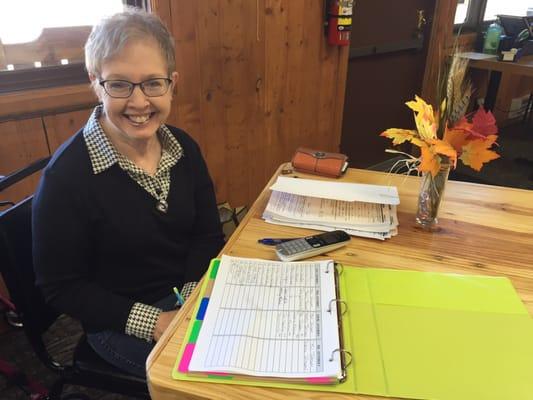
x: 205, y: 301
x: 195, y: 331
x: 220, y: 375
x: 214, y: 270
x: 203, y: 308
x: 186, y: 358
x: 183, y: 365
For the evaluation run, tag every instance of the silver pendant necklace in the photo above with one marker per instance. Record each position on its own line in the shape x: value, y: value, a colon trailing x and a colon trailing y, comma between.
x: 162, y: 205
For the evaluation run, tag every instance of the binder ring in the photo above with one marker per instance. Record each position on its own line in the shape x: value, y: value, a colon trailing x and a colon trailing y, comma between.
x: 340, y: 268
x: 342, y: 351
x: 343, y: 311
x: 328, y: 264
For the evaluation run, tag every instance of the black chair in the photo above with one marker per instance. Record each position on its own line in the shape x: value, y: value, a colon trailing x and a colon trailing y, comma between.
x: 86, y: 368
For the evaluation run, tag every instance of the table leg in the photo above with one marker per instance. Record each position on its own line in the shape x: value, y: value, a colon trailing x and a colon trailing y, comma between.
x: 529, y: 110
x: 492, y: 90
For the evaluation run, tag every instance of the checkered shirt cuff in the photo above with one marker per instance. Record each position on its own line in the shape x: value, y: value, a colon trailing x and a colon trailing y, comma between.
x: 142, y: 320
x: 187, y: 289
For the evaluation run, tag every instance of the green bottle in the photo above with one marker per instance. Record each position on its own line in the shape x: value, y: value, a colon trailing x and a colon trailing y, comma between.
x: 492, y: 38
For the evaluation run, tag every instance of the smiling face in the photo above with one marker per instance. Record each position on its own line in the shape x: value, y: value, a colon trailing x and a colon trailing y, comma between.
x: 136, y: 119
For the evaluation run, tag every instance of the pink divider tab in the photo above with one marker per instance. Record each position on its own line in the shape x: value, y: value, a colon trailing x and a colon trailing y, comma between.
x: 320, y: 381
x: 186, y: 358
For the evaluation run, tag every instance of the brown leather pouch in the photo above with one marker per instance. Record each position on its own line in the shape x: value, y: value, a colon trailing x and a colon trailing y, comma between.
x: 317, y: 162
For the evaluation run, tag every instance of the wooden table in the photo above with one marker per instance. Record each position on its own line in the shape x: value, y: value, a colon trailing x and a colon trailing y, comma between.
x: 485, y: 230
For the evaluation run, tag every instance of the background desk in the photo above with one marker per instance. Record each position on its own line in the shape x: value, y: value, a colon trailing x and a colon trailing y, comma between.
x: 479, y: 60
x: 486, y: 230
x: 499, y: 71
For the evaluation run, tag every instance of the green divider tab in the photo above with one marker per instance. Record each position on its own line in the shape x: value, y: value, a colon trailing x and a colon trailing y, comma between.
x: 195, y: 331
x: 223, y: 377
x: 214, y: 270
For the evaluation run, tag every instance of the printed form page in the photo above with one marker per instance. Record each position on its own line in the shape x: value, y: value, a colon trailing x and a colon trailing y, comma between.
x: 347, y: 214
x: 270, y: 318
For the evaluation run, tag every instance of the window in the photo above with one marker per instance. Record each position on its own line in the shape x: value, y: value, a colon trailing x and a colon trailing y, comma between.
x: 475, y: 14
x: 461, y: 11
x: 41, y: 42
x: 507, y: 7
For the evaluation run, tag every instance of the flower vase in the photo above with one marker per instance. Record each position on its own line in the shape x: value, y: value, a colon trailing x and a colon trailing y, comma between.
x: 430, y: 197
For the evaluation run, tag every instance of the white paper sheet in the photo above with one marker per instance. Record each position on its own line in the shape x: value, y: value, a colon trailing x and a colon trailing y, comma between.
x: 338, y: 190
x: 268, y: 318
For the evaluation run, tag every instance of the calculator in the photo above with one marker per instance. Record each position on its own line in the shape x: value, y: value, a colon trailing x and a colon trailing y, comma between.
x: 309, y: 246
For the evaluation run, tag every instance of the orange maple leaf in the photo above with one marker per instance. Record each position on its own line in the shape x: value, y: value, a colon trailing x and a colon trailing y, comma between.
x: 398, y: 135
x: 429, y: 161
x: 463, y: 124
x: 444, y: 148
x: 456, y: 137
x: 476, y: 152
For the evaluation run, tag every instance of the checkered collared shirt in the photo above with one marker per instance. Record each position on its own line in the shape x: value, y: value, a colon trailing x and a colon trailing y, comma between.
x: 103, y: 155
x: 142, y: 318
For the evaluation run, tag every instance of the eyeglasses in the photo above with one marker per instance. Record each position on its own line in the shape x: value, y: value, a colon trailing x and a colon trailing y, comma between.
x: 121, y: 89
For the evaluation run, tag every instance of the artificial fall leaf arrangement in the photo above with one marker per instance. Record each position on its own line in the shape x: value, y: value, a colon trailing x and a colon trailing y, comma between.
x: 447, y: 134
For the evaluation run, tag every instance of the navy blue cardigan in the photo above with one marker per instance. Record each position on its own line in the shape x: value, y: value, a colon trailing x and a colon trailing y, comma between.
x: 100, y: 244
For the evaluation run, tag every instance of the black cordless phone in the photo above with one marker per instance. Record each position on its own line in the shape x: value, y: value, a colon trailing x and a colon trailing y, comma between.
x: 309, y: 246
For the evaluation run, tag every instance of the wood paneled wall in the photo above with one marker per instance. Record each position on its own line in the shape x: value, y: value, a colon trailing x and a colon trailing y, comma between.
x: 60, y: 127
x: 22, y: 143
x: 28, y: 140
x: 257, y: 80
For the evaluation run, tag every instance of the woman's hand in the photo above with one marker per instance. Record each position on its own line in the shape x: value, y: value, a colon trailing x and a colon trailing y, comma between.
x: 162, y: 323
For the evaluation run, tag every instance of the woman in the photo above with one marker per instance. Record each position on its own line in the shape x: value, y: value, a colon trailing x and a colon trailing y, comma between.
x: 125, y: 210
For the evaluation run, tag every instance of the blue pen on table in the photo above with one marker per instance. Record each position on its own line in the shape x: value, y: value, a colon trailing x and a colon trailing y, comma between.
x: 180, y: 301
x: 274, y: 241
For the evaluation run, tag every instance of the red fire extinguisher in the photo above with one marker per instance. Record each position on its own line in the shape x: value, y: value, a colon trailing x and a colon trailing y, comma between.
x: 339, y: 21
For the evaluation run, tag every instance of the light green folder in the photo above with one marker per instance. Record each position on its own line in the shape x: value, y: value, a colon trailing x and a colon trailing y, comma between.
x: 425, y: 335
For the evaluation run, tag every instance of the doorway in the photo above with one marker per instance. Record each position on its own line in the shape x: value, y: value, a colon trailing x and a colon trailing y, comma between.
x: 386, y: 67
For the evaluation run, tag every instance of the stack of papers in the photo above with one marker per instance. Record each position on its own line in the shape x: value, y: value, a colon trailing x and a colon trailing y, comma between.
x: 359, y: 209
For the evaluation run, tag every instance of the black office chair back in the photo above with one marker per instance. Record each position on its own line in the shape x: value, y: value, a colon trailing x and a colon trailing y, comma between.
x: 17, y: 269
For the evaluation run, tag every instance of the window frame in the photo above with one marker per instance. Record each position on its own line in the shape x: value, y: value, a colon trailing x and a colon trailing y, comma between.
x: 41, y: 78
x: 52, y: 76
x: 474, y: 18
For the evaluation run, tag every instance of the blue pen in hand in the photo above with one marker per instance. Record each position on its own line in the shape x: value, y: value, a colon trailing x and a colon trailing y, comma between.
x: 274, y: 241
x: 180, y: 301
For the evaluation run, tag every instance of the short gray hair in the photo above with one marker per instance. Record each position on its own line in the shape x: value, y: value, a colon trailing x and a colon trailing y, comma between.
x: 110, y: 35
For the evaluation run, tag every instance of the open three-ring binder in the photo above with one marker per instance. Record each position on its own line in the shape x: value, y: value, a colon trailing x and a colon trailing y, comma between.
x: 317, y: 326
